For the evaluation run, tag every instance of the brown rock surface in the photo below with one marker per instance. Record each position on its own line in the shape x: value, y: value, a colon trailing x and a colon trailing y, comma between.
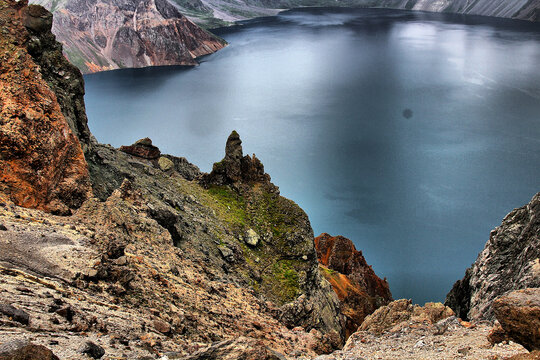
x: 535, y: 355
x: 41, y: 161
x: 123, y: 303
x: 142, y: 148
x: 359, y: 289
x: 519, y: 315
x: 400, y: 313
x: 28, y: 352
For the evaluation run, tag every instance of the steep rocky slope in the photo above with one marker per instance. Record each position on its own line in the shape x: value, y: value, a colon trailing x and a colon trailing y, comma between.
x: 509, y: 261
x: 518, y: 314
x: 163, y: 258
x: 360, y: 291
x: 111, y: 34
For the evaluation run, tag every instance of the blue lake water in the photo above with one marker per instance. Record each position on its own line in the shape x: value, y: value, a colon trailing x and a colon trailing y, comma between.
x: 412, y: 134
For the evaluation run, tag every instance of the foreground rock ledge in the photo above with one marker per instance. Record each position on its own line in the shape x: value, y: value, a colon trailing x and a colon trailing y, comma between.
x: 519, y: 316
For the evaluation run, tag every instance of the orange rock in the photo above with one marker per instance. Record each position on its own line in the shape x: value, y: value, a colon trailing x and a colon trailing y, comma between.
x: 41, y: 161
x: 467, y: 324
x: 358, y: 288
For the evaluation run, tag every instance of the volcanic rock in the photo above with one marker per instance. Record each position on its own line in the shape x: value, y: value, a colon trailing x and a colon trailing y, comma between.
x: 142, y: 148
x: 497, y: 334
x: 15, y: 314
x: 400, y: 313
x: 252, y: 238
x: 241, y: 348
x: 28, y: 352
x: 101, y: 273
x: 360, y: 291
x: 63, y: 78
x: 93, y: 350
x: 236, y: 169
x: 510, y: 261
x: 111, y: 34
x: 519, y: 315
x: 41, y: 160
x: 165, y: 164
x: 535, y: 355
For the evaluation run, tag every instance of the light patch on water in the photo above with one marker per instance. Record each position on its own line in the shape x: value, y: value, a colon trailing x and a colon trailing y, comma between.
x: 319, y: 20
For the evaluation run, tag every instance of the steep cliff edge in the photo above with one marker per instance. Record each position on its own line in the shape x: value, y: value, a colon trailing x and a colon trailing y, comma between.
x: 163, y: 258
x: 360, y: 291
x: 111, y: 34
x: 509, y: 261
x: 42, y: 161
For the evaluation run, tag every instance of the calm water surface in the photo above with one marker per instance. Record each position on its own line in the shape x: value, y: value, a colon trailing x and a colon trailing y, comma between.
x: 411, y: 134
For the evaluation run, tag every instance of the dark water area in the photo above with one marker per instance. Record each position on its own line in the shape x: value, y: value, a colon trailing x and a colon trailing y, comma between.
x: 412, y: 134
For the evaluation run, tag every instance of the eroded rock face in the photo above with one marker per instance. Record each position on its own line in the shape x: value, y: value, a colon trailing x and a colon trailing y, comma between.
x: 519, y: 316
x: 509, y: 261
x: 360, y: 291
x: 41, y: 160
x: 110, y: 34
x: 63, y: 78
x: 236, y: 169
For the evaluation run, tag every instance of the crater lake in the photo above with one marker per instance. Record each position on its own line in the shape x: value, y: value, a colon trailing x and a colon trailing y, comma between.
x: 413, y: 134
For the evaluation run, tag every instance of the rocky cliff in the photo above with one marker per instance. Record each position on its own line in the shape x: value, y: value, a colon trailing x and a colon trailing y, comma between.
x: 214, y: 12
x: 42, y: 161
x: 150, y: 256
x: 360, y: 291
x: 509, y: 261
x: 111, y: 34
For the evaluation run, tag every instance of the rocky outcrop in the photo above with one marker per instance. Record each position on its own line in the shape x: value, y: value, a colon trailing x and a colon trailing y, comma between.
x: 142, y: 148
x: 510, y: 261
x: 236, y: 169
x: 360, y: 291
x: 519, y: 316
x: 63, y: 78
x: 41, y: 160
x: 402, y: 313
x: 112, y: 34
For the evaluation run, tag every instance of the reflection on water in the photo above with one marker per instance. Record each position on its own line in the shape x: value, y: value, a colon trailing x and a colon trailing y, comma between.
x: 413, y: 134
